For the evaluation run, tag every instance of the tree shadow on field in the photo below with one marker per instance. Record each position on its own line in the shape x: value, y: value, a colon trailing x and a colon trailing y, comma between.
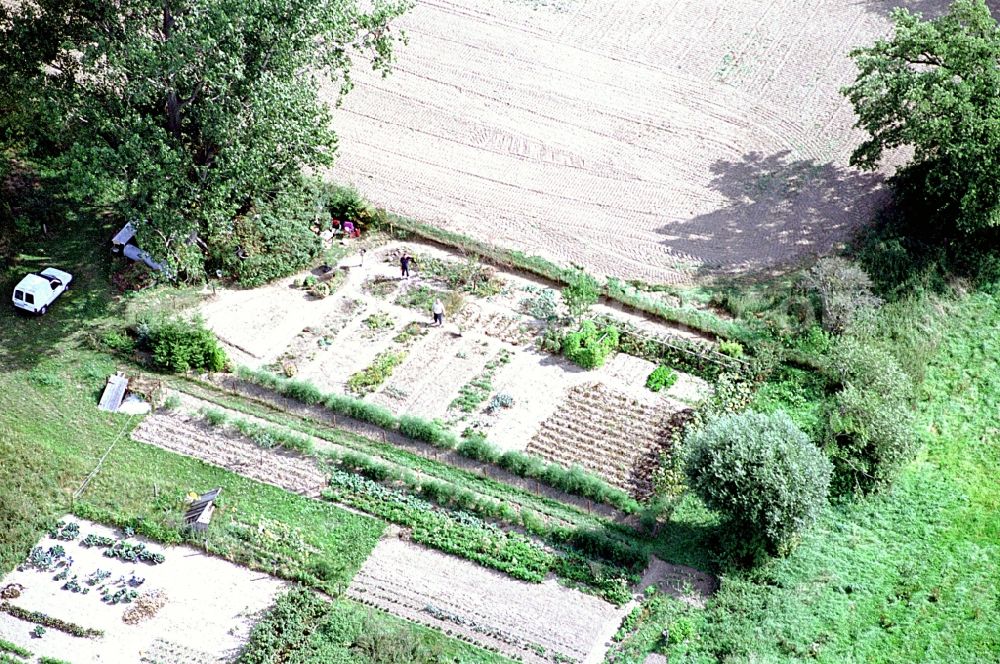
x: 776, y: 211
x: 81, y: 248
x: 927, y: 8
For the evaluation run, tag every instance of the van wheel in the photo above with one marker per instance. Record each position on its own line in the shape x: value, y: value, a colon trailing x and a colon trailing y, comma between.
x: 41, y: 312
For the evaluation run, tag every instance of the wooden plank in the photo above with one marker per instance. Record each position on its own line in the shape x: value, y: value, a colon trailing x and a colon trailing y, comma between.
x: 114, y: 393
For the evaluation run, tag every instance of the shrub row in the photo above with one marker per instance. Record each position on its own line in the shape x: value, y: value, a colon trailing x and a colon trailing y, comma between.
x: 574, y: 480
x: 694, y: 357
x: 7, y: 646
x: 261, y: 435
x: 46, y: 620
x: 463, y: 534
x: 456, y: 533
x: 592, y: 542
x: 696, y: 319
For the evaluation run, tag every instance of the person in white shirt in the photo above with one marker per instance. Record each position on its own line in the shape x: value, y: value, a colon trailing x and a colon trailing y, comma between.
x: 438, y: 310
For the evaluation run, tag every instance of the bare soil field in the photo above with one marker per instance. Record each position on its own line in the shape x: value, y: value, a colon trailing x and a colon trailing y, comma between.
x: 210, y: 605
x: 650, y: 139
x: 532, y: 622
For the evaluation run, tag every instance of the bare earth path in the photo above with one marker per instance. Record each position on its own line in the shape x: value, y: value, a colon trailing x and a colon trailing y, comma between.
x: 652, y: 139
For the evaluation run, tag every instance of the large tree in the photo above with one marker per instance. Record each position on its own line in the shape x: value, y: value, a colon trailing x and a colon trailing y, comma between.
x: 194, y: 119
x: 935, y: 87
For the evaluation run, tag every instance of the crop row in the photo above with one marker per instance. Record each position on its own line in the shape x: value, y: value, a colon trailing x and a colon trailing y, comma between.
x: 570, y: 480
x: 446, y: 498
x: 468, y: 536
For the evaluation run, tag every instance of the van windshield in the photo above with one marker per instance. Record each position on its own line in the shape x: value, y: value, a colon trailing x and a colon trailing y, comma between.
x: 18, y: 295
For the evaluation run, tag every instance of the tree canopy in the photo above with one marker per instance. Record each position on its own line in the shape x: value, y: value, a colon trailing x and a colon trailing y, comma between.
x: 194, y: 119
x: 935, y: 87
x: 762, y: 474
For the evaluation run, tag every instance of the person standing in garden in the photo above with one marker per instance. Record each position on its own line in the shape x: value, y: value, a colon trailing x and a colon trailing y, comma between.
x: 438, y: 310
x: 404, y: 264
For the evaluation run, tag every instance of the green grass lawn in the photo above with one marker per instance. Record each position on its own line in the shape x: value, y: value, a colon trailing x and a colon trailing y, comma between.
x: 52, y: 436
x: 911, y: 576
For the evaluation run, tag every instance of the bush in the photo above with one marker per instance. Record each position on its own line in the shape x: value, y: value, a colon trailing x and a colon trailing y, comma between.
x: 475, y: 446
x: 731, y: 348
x: 589, y: 347
x: 181, y: 345
x: 580, y: 292
x: 844, y: 291
x: 662, y: 378
x: 427, y: 431
x: 274, y: 239
x: 869, y: 423
x: 761, y: 473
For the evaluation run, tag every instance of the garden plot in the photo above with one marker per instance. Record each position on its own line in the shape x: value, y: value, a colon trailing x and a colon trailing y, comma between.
x: 608, y: 432
x: 540, y: 382
x: 354, y: 348
x: 256, y: 326
x: 210, y: 605
x: 533, y: 622
x: 191, y: 437
x: 434, y: 371
x: 651, y: 140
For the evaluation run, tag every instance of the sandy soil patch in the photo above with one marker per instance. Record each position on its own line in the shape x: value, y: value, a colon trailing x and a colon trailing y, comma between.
x: 483, y: 606
x: 211, y: 606
x: 685, y: 583
x: 257, y: 325
x: 643, y: 139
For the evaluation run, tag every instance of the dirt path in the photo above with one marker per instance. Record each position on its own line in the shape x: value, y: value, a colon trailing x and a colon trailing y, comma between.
x: 657, y: 140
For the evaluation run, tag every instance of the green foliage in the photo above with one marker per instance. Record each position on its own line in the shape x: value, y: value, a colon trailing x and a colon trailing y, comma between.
x: 844, y: 292
x: 661, y: 378
x: 869, y: 423
x: 541, y: 305
x: 427, y: 431
x: 475, y: 446
x: 302, y: 628
x: 580, y: 292
x: 932, y: 87
x: 762, y: 474
x: 195, y: 123
x: 7, y: 646
x: 731, y: 348
x: 588, y: 347
x: 180, y: 345
x: 368, y: 380
x: 380, y: 320
x: 273, y: 240
x: 459, y: 534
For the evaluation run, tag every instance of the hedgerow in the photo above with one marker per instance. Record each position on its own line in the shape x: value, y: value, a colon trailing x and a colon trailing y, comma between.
x: 571, y: 480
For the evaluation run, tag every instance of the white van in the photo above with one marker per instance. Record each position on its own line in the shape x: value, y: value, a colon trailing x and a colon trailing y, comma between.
x: 36, y: 292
